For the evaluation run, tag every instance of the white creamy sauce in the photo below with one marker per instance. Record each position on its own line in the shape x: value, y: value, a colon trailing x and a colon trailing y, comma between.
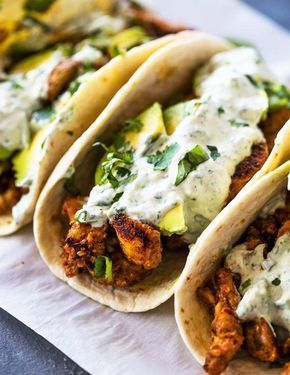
x: 203, y: 193
x: 89, y: 54
x: 20, y: 96
x: 265, y: 283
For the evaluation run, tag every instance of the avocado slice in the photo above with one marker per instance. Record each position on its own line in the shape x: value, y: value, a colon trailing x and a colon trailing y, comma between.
x: 4, y: 153
x: 149, y: 123
x: 126, y: 39
x: 173, y: 222
x: 174, y: 114
x: 32, y: 62
x: 24, y: 159
x: 152, y: 126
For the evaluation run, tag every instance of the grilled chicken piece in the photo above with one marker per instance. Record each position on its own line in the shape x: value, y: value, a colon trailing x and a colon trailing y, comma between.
x: 140, y: 243
x: 247, y: 168
x: 60, y: 78
x: 261, y: 342
x: 286, y: 369
x: 207, y: 296
x: 274, y: 122
x: 83, y: 242
x: 284, y: 229
x: 9, y: 193
x: 156, y: 25
x: 227, y: 332
x: 71, y: 206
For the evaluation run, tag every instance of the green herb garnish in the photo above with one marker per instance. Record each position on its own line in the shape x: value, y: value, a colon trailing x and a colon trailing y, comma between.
x: 238, y: 124
x: 214, y: 153
x: 74, y: 86
x: 246, y: 284
x: 117, y: 197
x: 220, y: 110
x: 16, y: 85
x: 44, y: 114
x: 115, y: 168
x: 116, y: 51
x: 278, y: 95
x: 276, y: 281
x: 162, y: 159
x: 38, y: 5
x: 81, y: 216
x: 190, y: 162
x: 103, y: 268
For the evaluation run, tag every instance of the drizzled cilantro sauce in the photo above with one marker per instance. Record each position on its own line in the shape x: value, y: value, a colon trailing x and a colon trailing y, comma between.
x: 265, y: 283
x: 225, y: 118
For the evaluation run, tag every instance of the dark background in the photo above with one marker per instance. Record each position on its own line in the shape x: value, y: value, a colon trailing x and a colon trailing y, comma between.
x: 22, y: 351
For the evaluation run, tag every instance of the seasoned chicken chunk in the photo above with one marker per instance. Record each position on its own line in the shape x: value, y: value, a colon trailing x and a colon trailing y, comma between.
x: 227, y: 332
x: 247, y: 168
x: 83, y: 243
x: 60, y: 78
x: 260, y: 341
x: 140, y: 242
x: 9, y: 193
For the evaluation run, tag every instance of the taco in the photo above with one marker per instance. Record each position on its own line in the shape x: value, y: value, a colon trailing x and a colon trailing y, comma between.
x: 49, y: 100
x: 155, y: 168
x: 232, y: 300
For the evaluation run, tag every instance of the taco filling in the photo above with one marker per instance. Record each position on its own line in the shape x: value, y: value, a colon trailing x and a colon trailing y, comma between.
x: 249, y: 296
x: 171, y: 170
x: 35, y: 90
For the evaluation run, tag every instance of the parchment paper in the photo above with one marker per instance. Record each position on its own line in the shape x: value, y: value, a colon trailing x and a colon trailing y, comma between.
x: 98, y: 339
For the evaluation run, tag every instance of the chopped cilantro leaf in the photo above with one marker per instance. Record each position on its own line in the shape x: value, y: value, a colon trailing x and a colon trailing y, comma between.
x: 214, y: 154
x: 81, y: 216
x: 220, y: 110
x: 162, y: 159
x: 190, y: 162
x: 246, y: 284
x: 116, y: 51
x: 117, y: 197
x: 74, y: 86
x: 238, y: 124
x: 38, y: 5
x: 276, y: 281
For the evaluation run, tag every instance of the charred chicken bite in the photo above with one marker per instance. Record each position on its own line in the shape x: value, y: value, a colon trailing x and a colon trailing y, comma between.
x: 168, y: 173
x: 249, y: 296
x: 34, y: 90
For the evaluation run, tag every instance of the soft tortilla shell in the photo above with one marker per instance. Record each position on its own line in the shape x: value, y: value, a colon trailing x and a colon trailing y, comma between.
x: 192, y: 315
x: 166, y: 73
x: 78, y: 114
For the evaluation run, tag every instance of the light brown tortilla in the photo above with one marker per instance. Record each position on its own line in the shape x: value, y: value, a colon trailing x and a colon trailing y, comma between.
x: 164, y: 74
x: 78, y: 114
x: 192, y: 315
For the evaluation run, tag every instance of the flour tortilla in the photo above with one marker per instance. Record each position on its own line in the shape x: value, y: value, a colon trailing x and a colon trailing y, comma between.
x: 192, y: 315
x: 167, y: 72
x: 77, y: 115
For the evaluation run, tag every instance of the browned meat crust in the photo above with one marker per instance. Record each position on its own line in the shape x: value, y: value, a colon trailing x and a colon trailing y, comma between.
x: 247, y: 168
x: 154, y: 24
x: 286, y: 369
x: 274, y: 122
x: 60, y: 78
x: 266, y: 230
x: 83, y: 243
x: 261, y: 342
x: 227, y: 333
x: 140, y: 242
x: 9, y: 193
